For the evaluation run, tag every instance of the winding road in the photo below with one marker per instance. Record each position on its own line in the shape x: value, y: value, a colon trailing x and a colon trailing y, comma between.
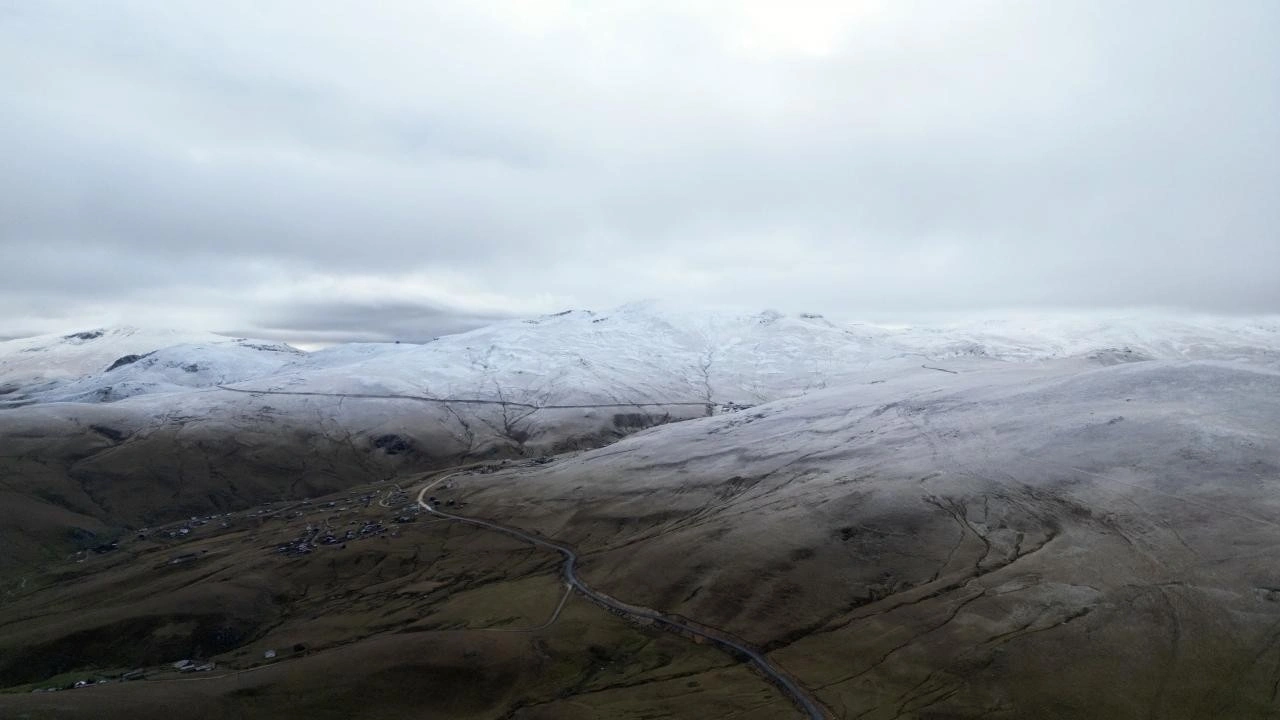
x: 790, y: 687
x: 801, y: 697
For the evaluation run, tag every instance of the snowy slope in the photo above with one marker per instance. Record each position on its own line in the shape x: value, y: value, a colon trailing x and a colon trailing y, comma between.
x: 177, y: 368
x: 169, y: 430
x: 639, y: 353
x: 978, y: 531
x: 648, y: 353
x: 84, y: 353
x: 112, y: 363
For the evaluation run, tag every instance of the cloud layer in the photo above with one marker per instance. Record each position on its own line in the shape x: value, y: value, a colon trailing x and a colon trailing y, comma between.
x: 345, y: 169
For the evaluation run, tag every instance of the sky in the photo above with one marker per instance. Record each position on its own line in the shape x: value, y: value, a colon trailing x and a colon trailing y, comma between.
x: 324, y: 171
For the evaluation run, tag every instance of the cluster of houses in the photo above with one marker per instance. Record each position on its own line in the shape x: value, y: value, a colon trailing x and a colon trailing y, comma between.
x: 312, y: 537
x: 308, y: 541
x: 178, y: 532
x: 90, y: 682
x: 303, y: 544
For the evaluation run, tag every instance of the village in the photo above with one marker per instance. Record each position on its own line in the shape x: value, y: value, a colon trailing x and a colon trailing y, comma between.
x: 287, y: 529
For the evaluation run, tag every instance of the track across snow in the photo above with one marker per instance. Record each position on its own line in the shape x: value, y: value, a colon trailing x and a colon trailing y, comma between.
x: 462, y: 401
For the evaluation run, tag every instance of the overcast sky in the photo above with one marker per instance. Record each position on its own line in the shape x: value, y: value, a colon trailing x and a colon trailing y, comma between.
x: 325, y: 170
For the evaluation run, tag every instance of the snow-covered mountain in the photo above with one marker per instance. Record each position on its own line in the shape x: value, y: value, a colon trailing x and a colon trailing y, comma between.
x: 107, y: 364
x: 959, y: 536
x: 650, y: 353
x: 544, y: 384
x: 945, y: 515
x: 640, y: 353
x: 128, y: 427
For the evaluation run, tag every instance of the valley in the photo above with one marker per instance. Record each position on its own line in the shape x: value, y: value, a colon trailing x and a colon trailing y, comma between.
x: 991, y: 530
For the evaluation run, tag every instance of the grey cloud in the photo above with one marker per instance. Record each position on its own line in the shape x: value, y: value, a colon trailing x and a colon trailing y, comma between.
x: 936, y: 156
x: 314, y: 322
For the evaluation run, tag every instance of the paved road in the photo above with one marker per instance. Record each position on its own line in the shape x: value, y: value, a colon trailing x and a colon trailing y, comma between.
x: 462, y: 401
x: 784, y: 682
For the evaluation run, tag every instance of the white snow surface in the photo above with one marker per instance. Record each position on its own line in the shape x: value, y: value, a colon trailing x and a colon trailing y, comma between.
x: 106, y: 364
x: 639, y: 353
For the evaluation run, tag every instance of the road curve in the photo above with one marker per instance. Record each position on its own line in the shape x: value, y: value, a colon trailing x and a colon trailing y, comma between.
x: 791, y: 688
